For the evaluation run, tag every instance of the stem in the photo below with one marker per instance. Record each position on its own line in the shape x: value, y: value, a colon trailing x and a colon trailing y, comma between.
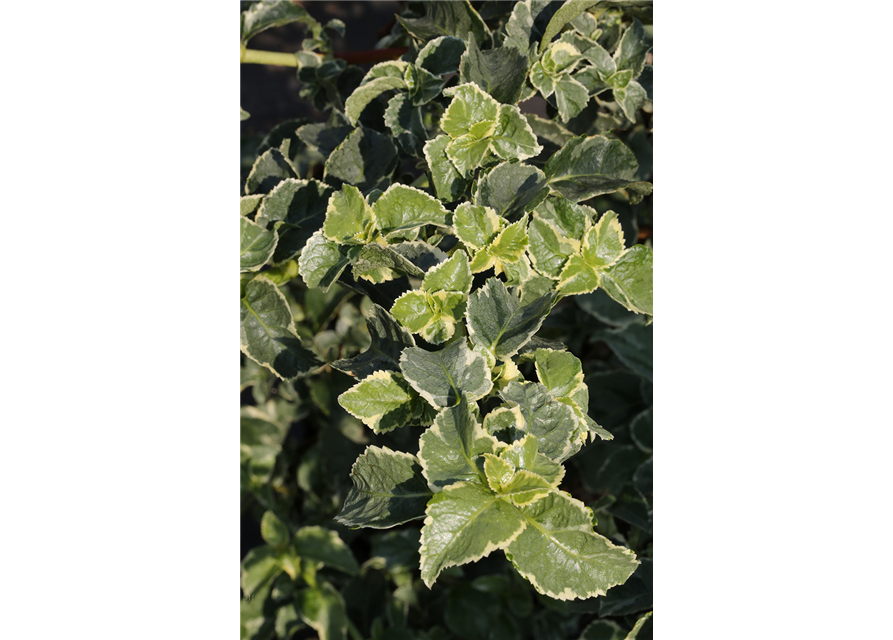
x: 253, y: 56
x: 353, y: 631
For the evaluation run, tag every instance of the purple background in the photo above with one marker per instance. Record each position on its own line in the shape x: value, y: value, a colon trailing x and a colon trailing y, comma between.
x: 786, y: 498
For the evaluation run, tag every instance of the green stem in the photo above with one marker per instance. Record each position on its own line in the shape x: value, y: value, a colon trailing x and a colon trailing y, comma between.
x: 253, y: 56
x: 353, y: 631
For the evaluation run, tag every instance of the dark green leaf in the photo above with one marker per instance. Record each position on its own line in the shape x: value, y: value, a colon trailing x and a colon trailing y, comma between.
x: 362, y: 160
x: 511, y: 189
x: 268, y: 170
x: 500, y: 72
x: 456, y: 18
x: 499, y: 323
x: 388, y: 341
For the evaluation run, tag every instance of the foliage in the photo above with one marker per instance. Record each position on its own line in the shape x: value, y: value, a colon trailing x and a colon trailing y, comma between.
x: 446, y: 328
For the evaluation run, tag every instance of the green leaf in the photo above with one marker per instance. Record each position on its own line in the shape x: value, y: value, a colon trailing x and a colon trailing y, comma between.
x: 603, y: 630
x: 568, y: 11
x: 323, y: 609
x: 560, y: 59
x: 592, y: 166
x: 604, y: 242
x: 388, y: 489
x: 268, y: 332
x: 560, y: 554
x: 552, y: 423
x: 633, y: 345
x: 322, y: 262
x: 577, y: 277
x: 274, y: 531
x: 542, y: 80
x: 324, y: 545
x: 269, y: 13
x: 376, y: 257
x: 258, y: 568
x: 449, y: 449
x: 511, y: 243
x: 383, y: 401
x: 268, y: 170
x: 500, y: 72
x: 401, y: 210
x: 249, y: 204
x: 452, y: 275
x: 441, y: 377
x: 524, y: 454
x: 366, y: 93
x: 528, y: 23
x: 244, y: 115
x: 632, y: 49
x: 362, y: 160
x: 549, y: 250
x: 448, y: 183
x: 640, y: 624
x: 467, y: 153
x: 297, y: 209
x: 349, y: 219
x: 441, y: 55
x: 405, y: 122
x: 561, y: 372
x: 388, y: 341
x: 631, y: 99
x: 256, y: 245
x: 497, y: 321
x: 630, y: 280
x: 465, y: 522
x: 324, y: 137
x: 476, y: 226
x: 423, y: 85
x: 570, y: 97
x: 524, y: 487
x: 511, y: 188
x: 469, y: 106
x: 513, y: 138
x: 569, y: 219
x: 456, y: 18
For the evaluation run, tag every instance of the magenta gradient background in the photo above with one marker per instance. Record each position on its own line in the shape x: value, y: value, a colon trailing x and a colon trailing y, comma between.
x: 786, y: 501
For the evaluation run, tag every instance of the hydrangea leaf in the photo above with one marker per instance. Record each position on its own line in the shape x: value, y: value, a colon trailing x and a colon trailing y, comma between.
x: 549, y: 130
x: 423, y: 85
x: 456, y: 18
x: 383, y: 401
x: 469, y: 106
x: 450, y: 448
x: 500, y: 71
x: 528, y: 23
x: 604, y: 242
x: 465, y: 522
x: 295, y: 204
x: 630, y: 280
x: 324, y: 545
x: 476, y: 226
x: 561, y: 372
x: 633, y: 49
x: 568, y: 11
x: 249, y: 204
x: 441, y: 55
x: 524, y: 454
x: 502, y: 419
x: 467, y: 153
x: 570, y: 97
x: 449, y: 307
x: 452, y: 275
x: 552, y: 423
x: 271, y: 168
x: 420, y: 253
x: 592, y: 166
x: 499, y: 323
x: 549, y: 250
x: 323, y: 608
x: 388, y: 69
x: 322, y: 262
x: 388, y: 489
x: 511, y: 188
x: 362, y: 159
x: 561, y: 556
x: 401, y: 210
x: 448, y: 183
x: 577, y: 277
x: 388, y: 341
x: 256, y: 245
x: 405, y: 122
x: 498, y: 471
x: 441, y: 377
x: 268, y: 332
x: 259, y: 567
x: 366, y: 93
x: 349, y: 219
x: 513, y: 137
